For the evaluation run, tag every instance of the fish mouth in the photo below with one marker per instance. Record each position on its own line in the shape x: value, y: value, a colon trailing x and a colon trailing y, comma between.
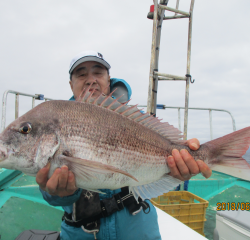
x: 5, y: 153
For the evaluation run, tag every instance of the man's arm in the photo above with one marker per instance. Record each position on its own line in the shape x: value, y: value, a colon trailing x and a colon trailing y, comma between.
x: 61, y: 201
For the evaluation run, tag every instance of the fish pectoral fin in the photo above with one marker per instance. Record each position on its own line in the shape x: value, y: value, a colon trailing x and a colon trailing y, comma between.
x: 151, y: 190
x: 95, y: 190
x: 85, y: 168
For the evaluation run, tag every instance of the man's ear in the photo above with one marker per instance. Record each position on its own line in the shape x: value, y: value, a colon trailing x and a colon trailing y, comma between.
x: 71, y: 85
x: 109, y: 79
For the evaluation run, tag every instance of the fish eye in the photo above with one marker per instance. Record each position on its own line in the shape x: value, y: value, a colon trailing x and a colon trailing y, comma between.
x: 26, y: 128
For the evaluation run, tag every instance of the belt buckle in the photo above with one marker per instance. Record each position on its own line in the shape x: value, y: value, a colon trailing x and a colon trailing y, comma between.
x: 112, y: 205
x: 119, y: 201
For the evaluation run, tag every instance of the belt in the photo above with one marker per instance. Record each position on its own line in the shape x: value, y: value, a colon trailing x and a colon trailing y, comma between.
x: 109, y: 206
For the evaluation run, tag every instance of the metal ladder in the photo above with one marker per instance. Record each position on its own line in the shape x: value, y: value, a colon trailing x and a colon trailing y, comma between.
x: 155, y: 75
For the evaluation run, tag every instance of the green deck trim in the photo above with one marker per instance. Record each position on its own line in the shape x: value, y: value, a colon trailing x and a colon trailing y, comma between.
x: 244, y: 184
x: 205, y: 188
x: 215, y: 176
x: 18, y: 215
x: 6, y: 176
x: 22, y: 206
x: 238, y: 193
x: 29, y: 193
x: 22, y: 190
x: 22, y: 186
x: 219, y: 187
x: 25, y: 180
x: 217, y: 183
x: 220, y: 190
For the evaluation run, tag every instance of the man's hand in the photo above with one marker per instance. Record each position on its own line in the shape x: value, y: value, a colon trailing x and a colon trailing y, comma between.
x: 62, y: 182
x: 183, y: 166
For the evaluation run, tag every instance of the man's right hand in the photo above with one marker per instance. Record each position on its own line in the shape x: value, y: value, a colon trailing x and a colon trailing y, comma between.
x: 62, y: 182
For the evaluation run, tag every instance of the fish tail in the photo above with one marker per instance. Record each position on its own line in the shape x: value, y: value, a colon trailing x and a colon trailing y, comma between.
x: 226, y: 154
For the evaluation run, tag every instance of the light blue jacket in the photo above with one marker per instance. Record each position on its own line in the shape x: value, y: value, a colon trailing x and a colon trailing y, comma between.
x: 120, y: 225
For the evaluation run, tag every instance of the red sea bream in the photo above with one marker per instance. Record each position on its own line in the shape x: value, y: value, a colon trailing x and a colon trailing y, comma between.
x: 109, y: 145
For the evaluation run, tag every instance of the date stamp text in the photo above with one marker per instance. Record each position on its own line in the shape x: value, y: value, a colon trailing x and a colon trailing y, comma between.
x: 226, y: 206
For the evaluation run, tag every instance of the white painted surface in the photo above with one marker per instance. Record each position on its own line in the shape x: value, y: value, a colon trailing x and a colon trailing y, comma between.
x: 172, y: 229
x: 229, y: 230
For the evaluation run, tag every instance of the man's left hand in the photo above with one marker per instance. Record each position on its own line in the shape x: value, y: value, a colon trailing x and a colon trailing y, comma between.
x: 183, y: 166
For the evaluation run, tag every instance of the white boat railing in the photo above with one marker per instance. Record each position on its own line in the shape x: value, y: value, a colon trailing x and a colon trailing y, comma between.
x: 162, y: 106
x: 17, y: 94
x: 159, y: 106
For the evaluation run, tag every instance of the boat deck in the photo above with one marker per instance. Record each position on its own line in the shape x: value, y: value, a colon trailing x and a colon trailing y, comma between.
x: 22, y: 206
x: 217, y: 189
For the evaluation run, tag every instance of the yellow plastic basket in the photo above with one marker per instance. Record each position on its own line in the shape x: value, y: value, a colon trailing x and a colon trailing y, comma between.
x: 184, y: 206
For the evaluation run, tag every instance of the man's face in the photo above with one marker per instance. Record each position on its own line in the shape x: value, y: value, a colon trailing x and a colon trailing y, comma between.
x: 86, y: 73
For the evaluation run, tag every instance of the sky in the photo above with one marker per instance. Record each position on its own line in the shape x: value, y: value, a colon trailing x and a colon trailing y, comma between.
x: 39, y: 39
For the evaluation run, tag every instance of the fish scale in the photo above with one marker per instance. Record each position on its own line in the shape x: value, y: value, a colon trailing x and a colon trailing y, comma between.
x: 126, y: 140
x: 107, y: 144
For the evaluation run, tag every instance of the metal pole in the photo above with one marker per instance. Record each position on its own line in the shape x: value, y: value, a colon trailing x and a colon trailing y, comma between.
x: 233, y: 121
x: 177, y: 6
x: 186, y: 110
x: 212, y: 109
x: 17, y: 106
x: 179, y: 118
x: 4, y: 103
x: 170, y: 76
x: 169, y: 79
x: 210, y: 123
x: 175, y: 17
x: 33, y: 102
x: 174, y: 10
x: 188, y: 69
x: 150, y: 107
x: 157, y: 53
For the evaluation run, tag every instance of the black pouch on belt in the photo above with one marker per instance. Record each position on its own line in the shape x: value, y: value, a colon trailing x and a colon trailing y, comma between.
x: 87, y: 206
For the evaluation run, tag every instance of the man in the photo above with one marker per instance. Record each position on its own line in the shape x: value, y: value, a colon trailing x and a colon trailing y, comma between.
x: 60, y: 190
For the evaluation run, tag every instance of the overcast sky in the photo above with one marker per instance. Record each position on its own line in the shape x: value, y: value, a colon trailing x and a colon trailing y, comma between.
x: 39, y: 38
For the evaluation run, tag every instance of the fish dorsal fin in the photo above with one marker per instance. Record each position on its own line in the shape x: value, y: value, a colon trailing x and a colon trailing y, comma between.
x: 132, y: 112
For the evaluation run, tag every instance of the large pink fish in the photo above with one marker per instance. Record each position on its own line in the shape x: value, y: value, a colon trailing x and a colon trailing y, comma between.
x: 107, y: 144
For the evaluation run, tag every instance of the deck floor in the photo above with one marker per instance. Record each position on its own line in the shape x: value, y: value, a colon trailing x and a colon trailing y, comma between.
x: 18, y: 215
x: 217, y: 189
x: 234, y: 194
x: 22, y: 206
